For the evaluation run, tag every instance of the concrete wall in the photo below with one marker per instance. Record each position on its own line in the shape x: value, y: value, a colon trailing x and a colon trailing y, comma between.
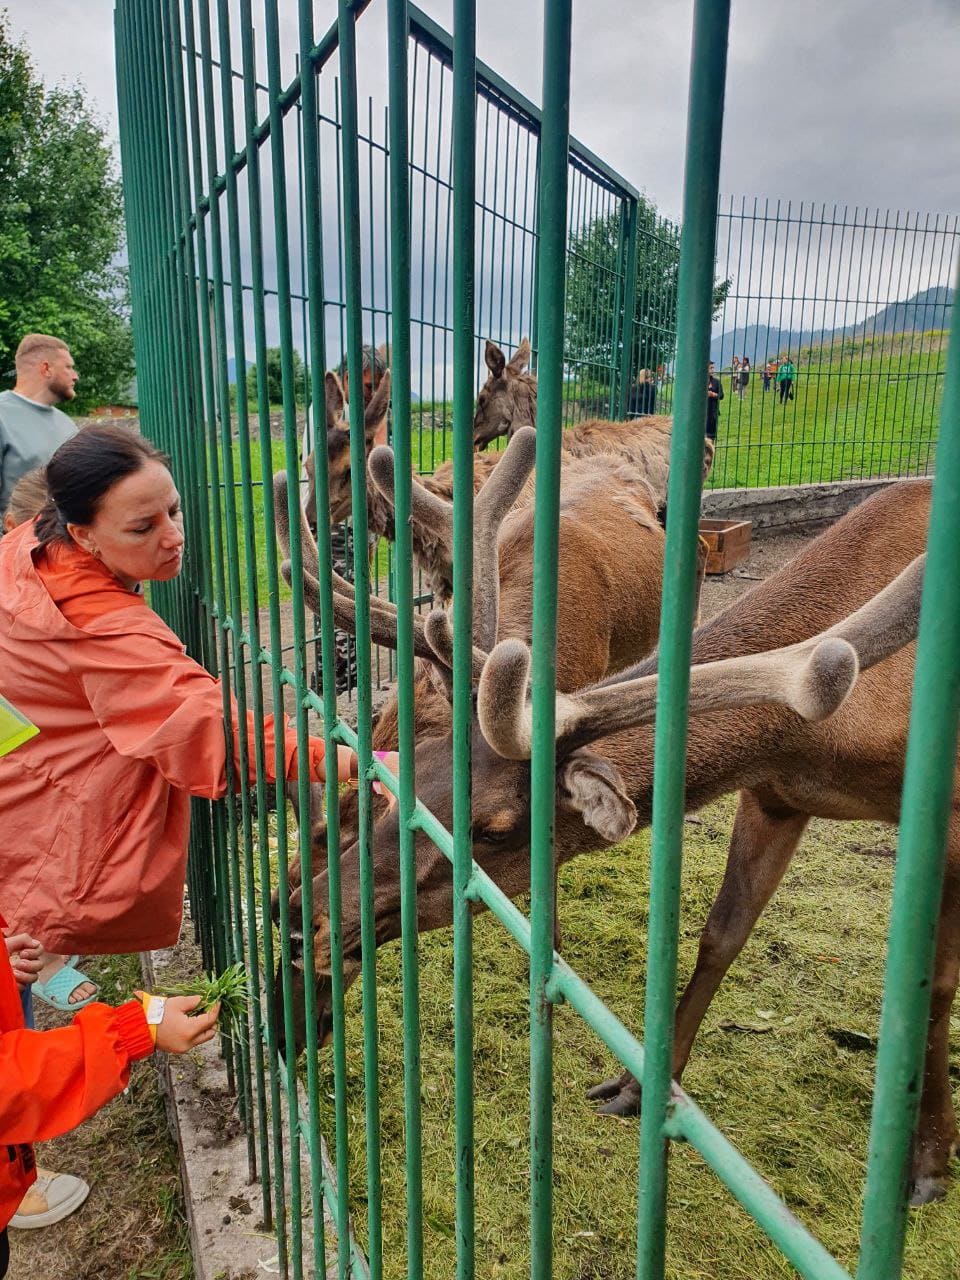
x: 795, y: 506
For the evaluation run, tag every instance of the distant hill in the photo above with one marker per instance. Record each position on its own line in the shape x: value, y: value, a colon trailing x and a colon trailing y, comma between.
x: 929, y: 309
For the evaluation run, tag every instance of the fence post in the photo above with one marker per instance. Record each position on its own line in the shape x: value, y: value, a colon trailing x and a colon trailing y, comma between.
x: 922, y: 849
x: 464, y: 207
x: 554, y: 146
x: 628, y: 311
x: 701, y: 179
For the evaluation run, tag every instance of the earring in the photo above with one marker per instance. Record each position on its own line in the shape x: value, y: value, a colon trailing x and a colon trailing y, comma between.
x: 95, y: 553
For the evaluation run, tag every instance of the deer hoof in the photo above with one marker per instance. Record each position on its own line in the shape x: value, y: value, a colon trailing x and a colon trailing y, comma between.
x: 927, y: 1190
x: 608, y: 1088
x: 620, y: 1096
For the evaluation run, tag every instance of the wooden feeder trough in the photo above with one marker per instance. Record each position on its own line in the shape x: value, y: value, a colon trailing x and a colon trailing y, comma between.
x: 729, y: 543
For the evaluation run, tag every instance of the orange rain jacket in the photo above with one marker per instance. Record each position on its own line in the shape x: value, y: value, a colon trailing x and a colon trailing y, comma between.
x: 53, y: 1080
x: 95, y: 810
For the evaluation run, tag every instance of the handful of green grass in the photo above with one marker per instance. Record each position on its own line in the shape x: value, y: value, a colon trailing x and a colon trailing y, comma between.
x: 231, y: 990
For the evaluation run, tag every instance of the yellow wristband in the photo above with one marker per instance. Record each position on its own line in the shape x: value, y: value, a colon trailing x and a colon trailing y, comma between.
x: 153, y: 1009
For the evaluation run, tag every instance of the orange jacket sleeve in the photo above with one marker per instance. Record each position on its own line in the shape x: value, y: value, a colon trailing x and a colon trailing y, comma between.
x: 155, y: 703
x: 54, y: 1080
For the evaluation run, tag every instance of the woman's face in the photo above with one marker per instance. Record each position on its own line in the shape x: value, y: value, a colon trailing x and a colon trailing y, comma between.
x: 138, y: 531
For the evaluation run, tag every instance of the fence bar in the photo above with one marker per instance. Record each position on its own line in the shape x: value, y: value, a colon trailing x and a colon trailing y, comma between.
x: 697, y: 250
x: 925, y: 817
x: 398, y: 39
x: 464, y: 187
x: 361, y: 566
x: 316, y: 356
x: 552, y: 259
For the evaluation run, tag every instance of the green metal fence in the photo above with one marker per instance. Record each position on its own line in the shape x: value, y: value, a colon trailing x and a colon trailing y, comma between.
x: 256, y: 210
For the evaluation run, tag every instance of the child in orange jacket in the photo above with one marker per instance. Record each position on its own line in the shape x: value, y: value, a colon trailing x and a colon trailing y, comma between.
x: 50, y: 1081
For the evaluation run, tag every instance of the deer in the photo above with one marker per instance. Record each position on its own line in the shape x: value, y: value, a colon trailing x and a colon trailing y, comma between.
x: 508, y: 401
x: 799, y: 699
x: 609, y: 607
x: 645, y: 447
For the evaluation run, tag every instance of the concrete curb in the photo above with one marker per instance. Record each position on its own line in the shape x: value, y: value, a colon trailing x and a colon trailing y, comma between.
x: 224, y: 1209
x: 795, y: 507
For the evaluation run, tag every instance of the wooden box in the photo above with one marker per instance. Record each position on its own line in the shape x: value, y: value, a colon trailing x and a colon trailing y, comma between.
x: 729, y: 543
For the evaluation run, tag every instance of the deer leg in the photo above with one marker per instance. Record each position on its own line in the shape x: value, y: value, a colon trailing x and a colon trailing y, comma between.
x: 762, y: 844
x: 937, y: 1137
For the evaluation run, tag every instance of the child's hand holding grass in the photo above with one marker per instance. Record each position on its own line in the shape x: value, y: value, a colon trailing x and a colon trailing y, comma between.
x: 228, y: 995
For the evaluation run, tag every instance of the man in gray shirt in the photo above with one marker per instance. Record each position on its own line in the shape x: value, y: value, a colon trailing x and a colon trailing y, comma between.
x: 31, y: 429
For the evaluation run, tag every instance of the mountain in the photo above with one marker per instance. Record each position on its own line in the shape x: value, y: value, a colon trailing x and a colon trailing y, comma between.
x: 232, y: 369
x: 929, y: 309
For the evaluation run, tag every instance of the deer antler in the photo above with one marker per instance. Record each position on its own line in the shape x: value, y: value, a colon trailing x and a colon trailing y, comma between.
x: 383, y: 614
x: 434, y: 515
x: 812, y: 677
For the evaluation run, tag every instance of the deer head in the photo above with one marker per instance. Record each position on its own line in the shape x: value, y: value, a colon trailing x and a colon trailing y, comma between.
x: 338, y: 446
x: 508, y: 398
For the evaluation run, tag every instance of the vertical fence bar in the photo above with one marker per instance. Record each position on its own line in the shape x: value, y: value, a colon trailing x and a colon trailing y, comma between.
x: 315, y: 352
x: 554, y: 145
x: 927, y: 792
x: 697, y: 250
x: 628, y: 316
x: 464, y: 188
x: 398, y: 41
x: 347, y: 35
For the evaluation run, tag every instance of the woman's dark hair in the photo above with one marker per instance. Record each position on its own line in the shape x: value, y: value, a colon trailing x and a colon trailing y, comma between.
x: 84, y: 470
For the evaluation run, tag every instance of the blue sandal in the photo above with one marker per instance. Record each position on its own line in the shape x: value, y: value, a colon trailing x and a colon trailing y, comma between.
x: 58, y: 990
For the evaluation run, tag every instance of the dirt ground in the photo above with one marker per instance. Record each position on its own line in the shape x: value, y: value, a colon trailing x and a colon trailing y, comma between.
x: 132, y: 1226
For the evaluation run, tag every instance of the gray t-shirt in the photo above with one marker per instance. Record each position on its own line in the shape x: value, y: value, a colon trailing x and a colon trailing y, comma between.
x: 30, y: 434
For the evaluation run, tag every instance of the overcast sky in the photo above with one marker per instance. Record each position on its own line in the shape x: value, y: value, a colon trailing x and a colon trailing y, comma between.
x: 856, y: 102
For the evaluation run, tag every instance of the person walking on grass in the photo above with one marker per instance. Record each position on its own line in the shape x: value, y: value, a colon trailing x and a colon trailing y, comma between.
x: 714, y: 396
x: 785, y: 376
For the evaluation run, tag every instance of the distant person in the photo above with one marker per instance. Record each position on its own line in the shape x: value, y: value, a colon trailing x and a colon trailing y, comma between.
x: 31, y: 428
x: 768, y: 372
x: 785, y: 376
x: 744, y: 377
x: 714, y: 396
x: 643, y: 396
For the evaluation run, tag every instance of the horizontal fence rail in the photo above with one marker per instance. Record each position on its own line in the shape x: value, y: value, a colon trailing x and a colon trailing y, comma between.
x: 296, y: 205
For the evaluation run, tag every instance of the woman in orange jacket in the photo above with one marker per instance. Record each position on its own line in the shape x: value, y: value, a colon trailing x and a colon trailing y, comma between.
x: 53, y: 1080
x: 96, y: 809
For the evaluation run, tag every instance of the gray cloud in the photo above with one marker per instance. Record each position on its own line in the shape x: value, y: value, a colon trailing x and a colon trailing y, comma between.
x: 854, y: 102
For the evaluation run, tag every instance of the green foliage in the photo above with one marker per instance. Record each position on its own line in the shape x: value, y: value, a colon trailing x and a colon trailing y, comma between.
x: 61, y: 229
x: 596, y: 263
x: 275, y: 377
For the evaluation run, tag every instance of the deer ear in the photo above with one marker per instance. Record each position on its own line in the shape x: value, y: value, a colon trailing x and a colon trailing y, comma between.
x: 494, y: 357
x: 334, y: 398
x: 594, y: 788
x: 520, y: 358
x: 376, y: 410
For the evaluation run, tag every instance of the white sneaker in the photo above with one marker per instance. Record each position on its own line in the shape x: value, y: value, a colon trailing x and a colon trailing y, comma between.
x: 53, y: 1197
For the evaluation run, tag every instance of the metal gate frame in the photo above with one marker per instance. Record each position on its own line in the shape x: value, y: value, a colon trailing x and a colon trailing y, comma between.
x: 176, y: 201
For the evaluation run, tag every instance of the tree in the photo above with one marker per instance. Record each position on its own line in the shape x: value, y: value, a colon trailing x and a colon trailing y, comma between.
x: 596, y: 262
x: 275, y: 377
x: 61, y: 229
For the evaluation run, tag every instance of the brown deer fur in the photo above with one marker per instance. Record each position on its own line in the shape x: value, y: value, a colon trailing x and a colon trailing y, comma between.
x: 508, y: 401
x: 849, y: 766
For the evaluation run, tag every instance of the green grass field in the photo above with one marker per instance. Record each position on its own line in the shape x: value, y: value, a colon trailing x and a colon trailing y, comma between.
x: 859, y: 410
x: 792, y: 1092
